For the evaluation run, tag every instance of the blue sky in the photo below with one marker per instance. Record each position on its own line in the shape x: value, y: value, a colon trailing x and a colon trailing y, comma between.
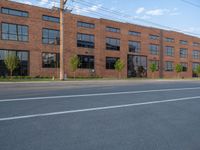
x: 180, y: 15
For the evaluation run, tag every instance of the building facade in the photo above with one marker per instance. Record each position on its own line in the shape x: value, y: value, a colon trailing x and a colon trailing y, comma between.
x: 32, y: 33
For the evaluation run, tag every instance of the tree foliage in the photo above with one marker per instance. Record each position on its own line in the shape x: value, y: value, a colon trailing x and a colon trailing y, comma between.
x: 153, y: 67
x: 179, y: 68
x: 74, y: 63
x: 197, y: 70
x: 119, y: 66
x: 11, y: 61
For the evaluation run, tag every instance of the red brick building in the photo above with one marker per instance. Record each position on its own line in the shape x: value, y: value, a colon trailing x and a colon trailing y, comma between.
x: 32, y: 33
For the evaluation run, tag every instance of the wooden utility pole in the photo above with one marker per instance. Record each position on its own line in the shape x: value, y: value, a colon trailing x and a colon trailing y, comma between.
x: 62, y: 3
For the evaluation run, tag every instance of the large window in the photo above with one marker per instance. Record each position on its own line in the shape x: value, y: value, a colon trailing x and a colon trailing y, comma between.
x: 183, y: 53
x: 14, y: 32
x: 14, y: 12
x: 22, y: 69
x: 111, y: 29
x: 50, y: 36
x: 153, y: 37
x: 154, y: 49
x: 86, y: 62
x: 110, y: 62
x: 169, y: 51
x: 183, y: 42
x: 50, y: 60
x: 156, y: 62
x: 85, y: 24
x: 169, y: 66
x: 134, y: 33
x: 185, y: 66
x: 167, y: 39
x: 196, y: 54
x: 196, y: 44
x: 51, y: 18
x: 85, y: 40
x: 134, y: 46
x: 112, y: 44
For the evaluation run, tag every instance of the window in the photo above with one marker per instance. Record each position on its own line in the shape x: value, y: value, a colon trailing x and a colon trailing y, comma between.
x: 134, y: 33
x: 196, y: 44
x: 14, y: 12
x: 50, y: 60
x: 113, y: 44
x: 156, y: 62
x: 154, y: 37
x: 85, y: 24
x: 185, y: 66
x: 183, y: 53
x: 14, y: 32
x: 50, y: 36
x: 134, y: 46
x: 86, y: 62
x: 183, y: 42
x: 23, y: 66
x: 154, y: 49
x: 110, y: 62
x: 169, y: 39
x: 194, y: 66
x: 51, y: 18
x: 111, y: 29
x: 85, y: 40
x: 168, y: 66
x: 169, y: 51
x: 196, y: 54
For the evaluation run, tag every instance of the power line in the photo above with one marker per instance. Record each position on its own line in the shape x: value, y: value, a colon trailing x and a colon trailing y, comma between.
x: 124, y: 15
x: 191, y: 3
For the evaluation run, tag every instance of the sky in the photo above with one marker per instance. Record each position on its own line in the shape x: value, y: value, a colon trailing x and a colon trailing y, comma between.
x: 177, y: 15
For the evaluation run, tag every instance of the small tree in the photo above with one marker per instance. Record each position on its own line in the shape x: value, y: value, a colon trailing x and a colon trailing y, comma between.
x: 179, y: 69
x: 74, y: 62
x: 119, y: 66
x: 197, y: 70
x: 153, y: 68
x: 11, y: 62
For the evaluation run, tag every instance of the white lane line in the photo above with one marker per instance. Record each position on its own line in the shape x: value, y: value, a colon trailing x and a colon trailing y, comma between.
x: 97, y: 94
x: 96, y: 109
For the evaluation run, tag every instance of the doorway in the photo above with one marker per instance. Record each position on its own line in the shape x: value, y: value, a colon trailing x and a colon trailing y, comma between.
x: 137, y: 66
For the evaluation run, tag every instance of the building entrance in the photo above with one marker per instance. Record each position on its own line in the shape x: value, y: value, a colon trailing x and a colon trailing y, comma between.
x: 137, y: 66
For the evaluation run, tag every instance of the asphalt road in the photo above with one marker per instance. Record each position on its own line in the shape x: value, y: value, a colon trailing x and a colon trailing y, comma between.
x: 100, y: 115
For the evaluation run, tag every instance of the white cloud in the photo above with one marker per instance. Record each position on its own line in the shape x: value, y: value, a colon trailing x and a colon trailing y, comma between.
x: 79, y: 10
x: 144, y: 17
x: 95, y: 7
x: 140, y: 10
x: 158, y: 12
x: 27, y: 2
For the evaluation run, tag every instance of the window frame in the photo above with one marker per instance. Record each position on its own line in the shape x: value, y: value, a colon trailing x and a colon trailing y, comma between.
x: 111, y: 46
x: 153, y: 51
x: 85, y: 25
x: 113, y: 29
x: 169, y: 68
x: 56, y: 39
x: 86, y: 66
x: 81, y: 43
x: 14, y: 14
x: 49, y: 18
x: 56, y: 62
x: 111, y: 65
x: 18, y: 35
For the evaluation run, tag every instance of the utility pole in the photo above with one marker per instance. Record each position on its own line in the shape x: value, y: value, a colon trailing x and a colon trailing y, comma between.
x: 62, y: 3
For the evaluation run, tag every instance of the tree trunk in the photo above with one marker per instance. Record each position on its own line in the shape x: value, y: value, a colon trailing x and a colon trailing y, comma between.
x: 119, y: 75
x: 11, y: 72
x: 74, y: 75
x: 153, y: 75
